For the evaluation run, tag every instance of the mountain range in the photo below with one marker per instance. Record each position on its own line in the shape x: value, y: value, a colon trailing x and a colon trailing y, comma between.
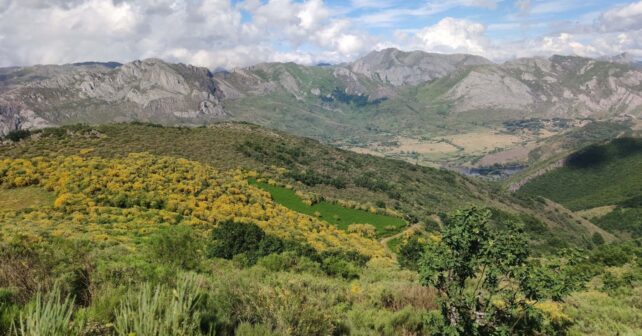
x: 380, y: 97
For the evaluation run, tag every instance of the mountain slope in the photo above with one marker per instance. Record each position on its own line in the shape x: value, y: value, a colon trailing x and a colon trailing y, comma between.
x: 350, y: 94
x: 598, y: 175
x: 601, y: 182
x: 309, y: 166
x: 425, y: 108
x: 98, y: 93
x: 399, y: 68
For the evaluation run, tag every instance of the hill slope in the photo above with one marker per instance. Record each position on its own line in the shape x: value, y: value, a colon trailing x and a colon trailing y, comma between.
x: 602, y: 182
x: 311, y: 167
x: 596, y: 176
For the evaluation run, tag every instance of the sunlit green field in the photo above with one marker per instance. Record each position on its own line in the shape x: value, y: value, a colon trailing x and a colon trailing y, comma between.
x: 332, y: 213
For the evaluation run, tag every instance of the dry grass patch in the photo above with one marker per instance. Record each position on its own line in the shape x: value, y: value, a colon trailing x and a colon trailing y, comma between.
x: 22, y: 198
x: 481, y: 141
x: 596, y: 212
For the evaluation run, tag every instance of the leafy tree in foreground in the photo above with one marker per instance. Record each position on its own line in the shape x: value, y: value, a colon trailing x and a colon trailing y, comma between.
x: 485, y: 281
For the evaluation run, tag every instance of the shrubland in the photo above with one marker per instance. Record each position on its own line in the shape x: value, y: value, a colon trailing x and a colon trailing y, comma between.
x: 120, y: 242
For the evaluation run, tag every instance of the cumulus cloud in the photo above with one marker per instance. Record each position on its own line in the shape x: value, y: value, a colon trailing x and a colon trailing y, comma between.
x: 211, y: 33
x: 622, y: 18
x: 226, y: 33
x: 451, y: 35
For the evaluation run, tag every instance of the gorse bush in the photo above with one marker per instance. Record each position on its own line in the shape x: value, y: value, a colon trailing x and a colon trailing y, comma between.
x: 144, y: 193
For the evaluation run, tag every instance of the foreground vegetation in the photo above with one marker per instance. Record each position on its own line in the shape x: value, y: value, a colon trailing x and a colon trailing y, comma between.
x: 98, y: 242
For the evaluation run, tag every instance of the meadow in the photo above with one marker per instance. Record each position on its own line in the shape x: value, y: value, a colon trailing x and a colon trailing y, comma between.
x: 27, y: 197
x: 332, y: 213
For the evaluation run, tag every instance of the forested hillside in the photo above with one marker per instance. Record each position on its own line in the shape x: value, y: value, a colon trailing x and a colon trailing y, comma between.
x: 601, y: 182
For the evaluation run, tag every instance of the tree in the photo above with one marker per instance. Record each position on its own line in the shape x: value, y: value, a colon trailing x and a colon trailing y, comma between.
x: 18, y: 135
x: 597, y: 239
x: 231, y: 239
x: 484, y: 279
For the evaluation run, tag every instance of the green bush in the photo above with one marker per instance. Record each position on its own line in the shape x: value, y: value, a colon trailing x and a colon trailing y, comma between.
x: 336, y: 266
x: 178, y: 246
x: 410, y: 253
x: 597, y: 239
x: 289, y: 261
x: 230, y: 239
x: 610, y: 255
x: 18, y: 135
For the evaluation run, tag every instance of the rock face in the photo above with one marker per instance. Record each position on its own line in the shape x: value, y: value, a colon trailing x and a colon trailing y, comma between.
x: 411, y: 68
x: 561, y: 86
x: 149, y: 90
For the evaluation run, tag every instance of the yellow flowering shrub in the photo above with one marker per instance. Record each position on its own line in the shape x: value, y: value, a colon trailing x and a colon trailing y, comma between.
x: 124, y: 197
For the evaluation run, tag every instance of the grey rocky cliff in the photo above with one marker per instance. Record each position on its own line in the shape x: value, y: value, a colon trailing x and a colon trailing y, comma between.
x: 411, y: 68
x: 149, y: 90
x: 561, y: 86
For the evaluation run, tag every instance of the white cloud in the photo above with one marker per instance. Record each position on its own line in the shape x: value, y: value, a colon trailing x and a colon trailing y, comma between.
x: 452, y: 35
x: 219, y: 33
x: 623, y: 18
x: 204, y: 32
x: 372, y: 3
x: 391, y: 16
x: 524, y: 6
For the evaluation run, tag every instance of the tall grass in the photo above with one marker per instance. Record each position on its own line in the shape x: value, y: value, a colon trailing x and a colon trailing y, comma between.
x: 48, y: 315
x: 159, y: 311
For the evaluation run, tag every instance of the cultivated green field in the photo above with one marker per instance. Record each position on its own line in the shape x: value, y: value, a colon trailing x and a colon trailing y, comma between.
x: 332, y: 213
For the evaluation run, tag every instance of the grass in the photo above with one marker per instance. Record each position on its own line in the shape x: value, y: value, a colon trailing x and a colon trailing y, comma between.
x: 334, y: 214
x: 394, y: 244
x: 23, y: 198
x: 597, y: 313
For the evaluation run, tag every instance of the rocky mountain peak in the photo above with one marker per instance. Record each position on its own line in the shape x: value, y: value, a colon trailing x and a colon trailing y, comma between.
x: 398, y: 67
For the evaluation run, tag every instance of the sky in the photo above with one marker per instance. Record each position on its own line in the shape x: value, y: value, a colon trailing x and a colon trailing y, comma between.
x: 237, y: 33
